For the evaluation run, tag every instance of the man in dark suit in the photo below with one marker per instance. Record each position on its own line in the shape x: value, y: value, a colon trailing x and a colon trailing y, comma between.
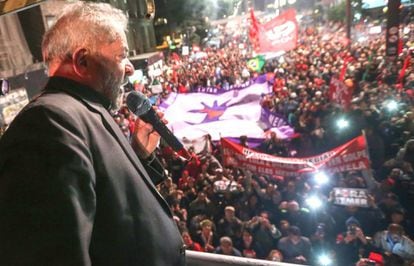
x: 73, y: 191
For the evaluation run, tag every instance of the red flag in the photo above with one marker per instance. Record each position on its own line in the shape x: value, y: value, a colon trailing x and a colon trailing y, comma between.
x: 279, y: 34
x: 400, y: 46
x: 254, y: 31
x: 400, y: 79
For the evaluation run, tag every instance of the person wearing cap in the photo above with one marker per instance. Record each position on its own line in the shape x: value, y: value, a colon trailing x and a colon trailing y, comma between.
x: 295, y: 247
x: 350, y: 245
x: 229, y: 225
x: 226, y: 247
x: 369, y: 218
x: 394, y: 241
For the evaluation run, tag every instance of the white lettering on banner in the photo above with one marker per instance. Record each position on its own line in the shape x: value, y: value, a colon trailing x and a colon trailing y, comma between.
x: 350, y: 197
x: 276, y: 121
x: 321, y: 158
x: 282, y: 40
x: 348, y: 167
x: 334, y: 161
x: 353, y: 156
x: 215, y: 90
x: 351, y: 201
x: 282, y: 33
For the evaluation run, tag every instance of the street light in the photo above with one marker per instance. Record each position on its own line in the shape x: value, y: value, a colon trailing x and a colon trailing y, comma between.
x: 321, y: 178
x: 391, y: 105
x: 324, y: 260
x: 314, y: 202
x: 342, y: 123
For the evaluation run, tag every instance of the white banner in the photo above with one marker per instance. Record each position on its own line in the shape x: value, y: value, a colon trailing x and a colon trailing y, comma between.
x: 230, y: 114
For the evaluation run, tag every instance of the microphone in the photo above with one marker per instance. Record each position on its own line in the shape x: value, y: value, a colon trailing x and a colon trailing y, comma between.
x: 139, y: 104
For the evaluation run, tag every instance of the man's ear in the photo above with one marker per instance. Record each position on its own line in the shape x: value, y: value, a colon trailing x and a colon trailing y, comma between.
x: 80, y: 60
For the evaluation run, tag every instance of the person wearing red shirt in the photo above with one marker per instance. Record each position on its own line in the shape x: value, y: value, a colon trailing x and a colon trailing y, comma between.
x: 184, y: 179
x: 194, y: 166
x: 189, y: 243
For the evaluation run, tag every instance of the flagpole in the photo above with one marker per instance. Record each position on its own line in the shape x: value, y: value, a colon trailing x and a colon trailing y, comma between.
x: 348, y: 22
x: 368, y: 174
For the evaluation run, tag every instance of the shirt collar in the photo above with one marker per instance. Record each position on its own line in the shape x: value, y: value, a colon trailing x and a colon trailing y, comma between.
x: 73, y: 87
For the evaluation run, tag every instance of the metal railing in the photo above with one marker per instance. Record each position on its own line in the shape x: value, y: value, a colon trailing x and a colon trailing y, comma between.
x: 194, y: 258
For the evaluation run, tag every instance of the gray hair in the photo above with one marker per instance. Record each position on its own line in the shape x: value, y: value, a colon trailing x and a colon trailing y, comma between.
x: 83, y: 24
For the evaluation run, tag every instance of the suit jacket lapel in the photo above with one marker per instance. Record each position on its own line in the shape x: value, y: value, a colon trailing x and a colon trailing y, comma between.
x: 113, y: 128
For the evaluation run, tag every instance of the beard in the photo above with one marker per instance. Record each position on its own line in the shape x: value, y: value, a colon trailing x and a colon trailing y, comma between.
x: 112, y: 86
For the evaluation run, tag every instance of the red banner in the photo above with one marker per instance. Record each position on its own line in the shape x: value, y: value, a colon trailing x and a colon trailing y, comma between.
x: 352, y: 155
x: 279, y: 34
x: 340, y: 93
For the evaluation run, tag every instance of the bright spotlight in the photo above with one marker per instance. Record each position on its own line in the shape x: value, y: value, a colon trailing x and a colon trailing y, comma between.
x: 314, y: 202
x: 391, y: 106
x: 321, y: 178
x: 342, y: 123
x: 324, y: 260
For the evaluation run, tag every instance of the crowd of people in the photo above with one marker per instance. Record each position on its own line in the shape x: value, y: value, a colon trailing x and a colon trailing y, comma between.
x: 228, y: 210
x: 232, y: 211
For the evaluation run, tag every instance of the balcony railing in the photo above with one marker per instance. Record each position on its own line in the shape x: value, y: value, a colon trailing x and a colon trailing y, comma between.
x: 207, y: 259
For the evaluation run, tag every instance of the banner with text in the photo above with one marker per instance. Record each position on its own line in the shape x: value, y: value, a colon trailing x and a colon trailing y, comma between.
x: 220, y: 90
x: 350, y: 196
x: 272, y: 119
x: 352, y: 155
x: 279, y: 34
x: 228, y: 114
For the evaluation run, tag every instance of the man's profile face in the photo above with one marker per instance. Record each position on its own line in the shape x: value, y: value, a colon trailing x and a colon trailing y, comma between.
x: 112, y: 69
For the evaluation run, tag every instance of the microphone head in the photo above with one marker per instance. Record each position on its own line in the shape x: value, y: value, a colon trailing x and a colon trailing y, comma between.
x: 138, y: 103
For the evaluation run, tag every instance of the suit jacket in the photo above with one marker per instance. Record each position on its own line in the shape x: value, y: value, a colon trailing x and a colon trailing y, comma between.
x: 73, y: 192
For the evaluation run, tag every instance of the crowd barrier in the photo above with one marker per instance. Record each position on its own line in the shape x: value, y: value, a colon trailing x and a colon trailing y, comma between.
x: 194, y: 258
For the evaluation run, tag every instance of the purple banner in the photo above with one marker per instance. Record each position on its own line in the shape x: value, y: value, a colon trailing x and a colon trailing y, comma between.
x: 272, y: 119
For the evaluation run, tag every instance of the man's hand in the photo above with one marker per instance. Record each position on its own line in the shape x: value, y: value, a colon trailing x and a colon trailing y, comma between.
x: 349, y: 237
x: 360, y: 234
x: 145, y: 139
